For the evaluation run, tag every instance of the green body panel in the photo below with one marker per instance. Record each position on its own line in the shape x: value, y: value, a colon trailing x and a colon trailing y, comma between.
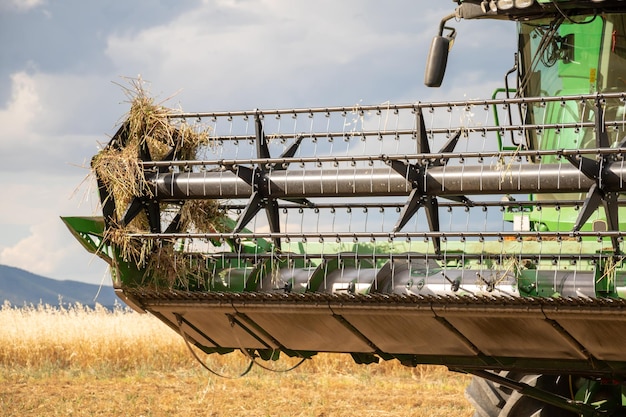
x: 245, y: 274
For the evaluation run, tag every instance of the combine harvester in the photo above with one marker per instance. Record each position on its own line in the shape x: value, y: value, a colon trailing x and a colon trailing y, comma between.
x: 483, y: 235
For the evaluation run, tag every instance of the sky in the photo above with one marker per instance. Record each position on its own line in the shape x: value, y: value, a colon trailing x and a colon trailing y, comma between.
x: 64, y: 64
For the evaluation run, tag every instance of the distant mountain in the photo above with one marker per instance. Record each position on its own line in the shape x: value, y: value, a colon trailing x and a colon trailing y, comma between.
x: 21, y: 287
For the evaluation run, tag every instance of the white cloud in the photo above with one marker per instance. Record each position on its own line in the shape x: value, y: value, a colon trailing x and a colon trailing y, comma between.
x: 36, y: 202
x: 51, y: 251
x: 23, y: 107
x: 274, y: 52
x: 43, y: 104
x: 21, y: 5
x: 52, y: 121
x: 36, y: 150
x: 222, y: 54
x: 36, y: 252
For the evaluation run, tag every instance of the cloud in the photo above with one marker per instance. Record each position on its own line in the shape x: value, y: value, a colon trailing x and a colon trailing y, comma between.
x: 232, y: 54
x: 23, y: 106
x: 277, y: 53
x: 35, y: 251
x: 21, y: 5
x: 36, y: 202
x: 52, y: 122
x: 49, y: 250
x: 59, y: 101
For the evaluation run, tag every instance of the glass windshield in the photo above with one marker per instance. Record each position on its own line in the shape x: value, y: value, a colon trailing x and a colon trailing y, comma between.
x: 559, y: 57
x: 564, y: 57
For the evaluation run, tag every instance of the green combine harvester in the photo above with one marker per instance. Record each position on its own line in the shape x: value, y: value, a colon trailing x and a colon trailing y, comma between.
x: 483, y: 235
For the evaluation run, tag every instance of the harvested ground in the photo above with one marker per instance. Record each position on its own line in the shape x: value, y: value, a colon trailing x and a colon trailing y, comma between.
x: 173, y: 394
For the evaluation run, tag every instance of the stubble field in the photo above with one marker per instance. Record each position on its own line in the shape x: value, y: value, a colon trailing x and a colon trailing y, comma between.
x: 94, y: 362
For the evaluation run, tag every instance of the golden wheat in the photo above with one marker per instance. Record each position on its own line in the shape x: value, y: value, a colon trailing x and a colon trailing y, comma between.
x: 79, y: 337
x: 82, y: 361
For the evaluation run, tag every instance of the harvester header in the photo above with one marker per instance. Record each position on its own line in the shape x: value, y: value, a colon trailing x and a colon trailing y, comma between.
x: 485, y: 235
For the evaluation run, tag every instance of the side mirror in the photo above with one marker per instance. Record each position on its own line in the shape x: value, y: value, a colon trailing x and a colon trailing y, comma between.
x: 438, y: 55
x: 437, y: 61
x: 439, y: 48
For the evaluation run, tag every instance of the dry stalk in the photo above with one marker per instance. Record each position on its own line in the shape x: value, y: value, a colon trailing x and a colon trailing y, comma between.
x: 610, y: 270
x: 505, y: 167
x: 168, y: 267
x: 204, y: 216
x: 509, y: 268
x: 133, y: 250
x: 149, y: 133
x: 120, y: 170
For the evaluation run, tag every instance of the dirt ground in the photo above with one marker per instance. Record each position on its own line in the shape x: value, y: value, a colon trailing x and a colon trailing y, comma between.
x: 172, y: 394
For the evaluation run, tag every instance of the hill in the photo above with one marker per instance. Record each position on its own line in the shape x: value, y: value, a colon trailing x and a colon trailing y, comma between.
x: 21, y: 287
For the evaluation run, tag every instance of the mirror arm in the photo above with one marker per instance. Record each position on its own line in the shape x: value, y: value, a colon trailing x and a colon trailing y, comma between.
x: 442, y: 26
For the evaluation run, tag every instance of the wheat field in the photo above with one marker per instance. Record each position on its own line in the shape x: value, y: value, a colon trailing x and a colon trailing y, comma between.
x: 78, y: 361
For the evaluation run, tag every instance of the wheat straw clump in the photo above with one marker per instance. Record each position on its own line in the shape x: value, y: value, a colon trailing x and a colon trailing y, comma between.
x: 149, y: 122
x: 204, y: 216
x: 149, y: 133
x: 168, y: 267
x: 121, y: 172
x: 131, y: 249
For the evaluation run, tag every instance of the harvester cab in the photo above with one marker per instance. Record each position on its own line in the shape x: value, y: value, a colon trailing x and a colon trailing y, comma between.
x: 575, y: 49
x: 484, y: 235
